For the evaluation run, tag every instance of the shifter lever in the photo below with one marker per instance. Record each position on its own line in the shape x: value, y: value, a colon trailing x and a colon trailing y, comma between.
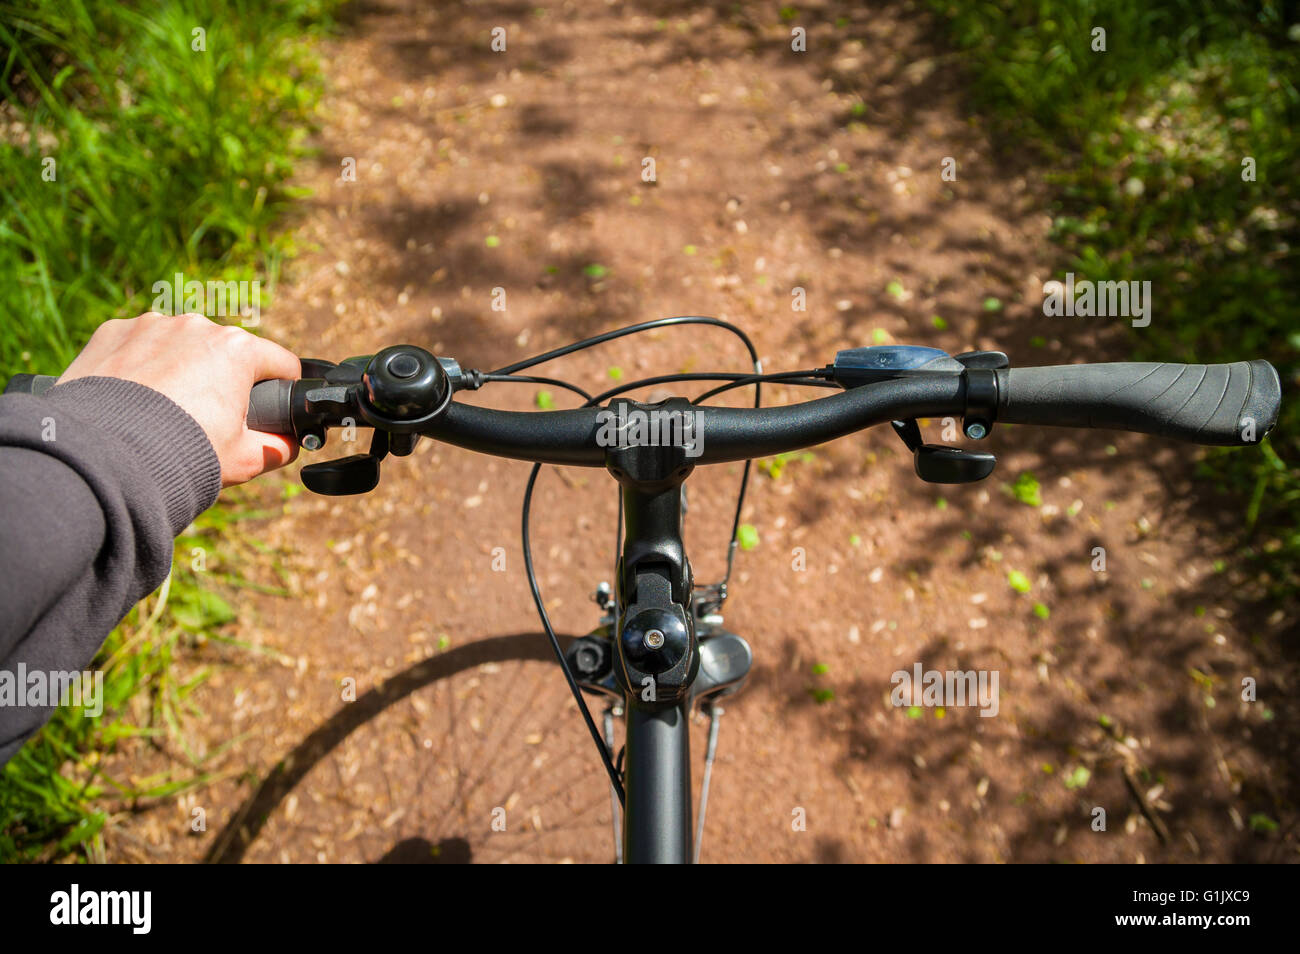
x: 357, y: 474
x: 939, y: 464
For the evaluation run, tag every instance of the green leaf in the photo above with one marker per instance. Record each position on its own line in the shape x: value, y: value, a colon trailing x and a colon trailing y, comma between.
x: 820, y: 669
x: 895, y: 289
x: 544, y: 399
x: 747, y: 536
x: 1078, y: 778
x: 1026, y: 489
x: 1262, y: 823
x: 196, y: 609
x: 938, y: 322
x: 1019, y: 582
x: 615, y: 373
x: 992, y: 304
x: 1041, y: 610
x: 492, y: 241
x: 595, y: 271
x: 915, y: 712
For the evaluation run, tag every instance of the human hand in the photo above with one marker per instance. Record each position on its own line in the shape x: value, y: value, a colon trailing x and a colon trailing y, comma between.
x: 207, y: 369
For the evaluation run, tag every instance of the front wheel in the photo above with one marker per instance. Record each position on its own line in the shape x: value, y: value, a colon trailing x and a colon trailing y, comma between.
x: 474, y: 755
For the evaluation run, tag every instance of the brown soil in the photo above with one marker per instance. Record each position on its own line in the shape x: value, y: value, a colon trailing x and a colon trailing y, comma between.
x: 767, y: 178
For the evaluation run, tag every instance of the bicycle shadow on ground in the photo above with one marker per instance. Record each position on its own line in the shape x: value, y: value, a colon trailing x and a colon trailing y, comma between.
x: 421, y: 851
x: 239, y: 833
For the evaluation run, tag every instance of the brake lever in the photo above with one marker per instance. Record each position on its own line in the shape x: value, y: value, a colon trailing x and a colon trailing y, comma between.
x: 357, y: 474
x: 394, y: 391
x: 939, y: 464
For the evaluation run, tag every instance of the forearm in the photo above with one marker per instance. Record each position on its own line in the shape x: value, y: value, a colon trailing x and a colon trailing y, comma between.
x: 96, y: 479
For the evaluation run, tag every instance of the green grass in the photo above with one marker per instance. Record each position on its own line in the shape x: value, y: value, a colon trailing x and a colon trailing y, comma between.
x: 1143, y: 147
x: 166, y: 159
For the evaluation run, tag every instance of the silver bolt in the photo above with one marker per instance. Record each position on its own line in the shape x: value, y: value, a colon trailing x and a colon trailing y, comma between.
x: 976, y: 430
x: 311, y: 442
x: 654, y: 638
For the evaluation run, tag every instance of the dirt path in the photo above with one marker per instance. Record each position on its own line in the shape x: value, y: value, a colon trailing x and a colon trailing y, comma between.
x: 521, y: 171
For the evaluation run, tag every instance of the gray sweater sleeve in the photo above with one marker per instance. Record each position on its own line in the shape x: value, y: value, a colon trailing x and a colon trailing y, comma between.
x: 97, y: 477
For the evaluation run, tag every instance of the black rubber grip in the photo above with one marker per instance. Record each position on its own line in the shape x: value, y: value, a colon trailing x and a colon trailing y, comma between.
x: 268, y: 407
x: 1223, y: 404
x: 30, y: 383
x: 268, y: 401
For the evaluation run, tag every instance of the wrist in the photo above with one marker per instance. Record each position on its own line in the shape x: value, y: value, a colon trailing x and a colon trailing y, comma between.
x: 161, y: 437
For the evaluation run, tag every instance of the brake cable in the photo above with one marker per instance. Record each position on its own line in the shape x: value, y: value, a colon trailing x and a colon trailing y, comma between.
x: 508, y: 373
x: 533, y: 379
x: 814, y: 378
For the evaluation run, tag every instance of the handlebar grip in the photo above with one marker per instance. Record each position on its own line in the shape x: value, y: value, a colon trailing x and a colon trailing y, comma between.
x: 269, y: 407
x: 1224, y: 404
x: 268, y: 401
x: 30, y: 383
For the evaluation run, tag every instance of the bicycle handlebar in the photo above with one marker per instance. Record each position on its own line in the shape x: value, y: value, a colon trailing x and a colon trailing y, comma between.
x: 728, y: 433
x: 1222, y: 404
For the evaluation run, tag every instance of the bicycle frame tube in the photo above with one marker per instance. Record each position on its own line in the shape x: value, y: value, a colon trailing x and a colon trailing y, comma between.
x: 656, y: 655
x: 657, y: 779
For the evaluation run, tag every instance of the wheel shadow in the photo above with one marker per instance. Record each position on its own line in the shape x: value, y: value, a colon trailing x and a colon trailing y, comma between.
x: 239, y: 833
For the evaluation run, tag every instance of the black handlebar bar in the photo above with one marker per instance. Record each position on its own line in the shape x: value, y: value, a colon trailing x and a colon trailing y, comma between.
x: 1223, y: 404
x: 726, y: 433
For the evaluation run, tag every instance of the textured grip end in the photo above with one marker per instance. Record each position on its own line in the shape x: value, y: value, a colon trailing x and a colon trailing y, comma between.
x: 1264, y: 400
x: 30, y: 383
x: 1225, y: 404
x: 269, y: 409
